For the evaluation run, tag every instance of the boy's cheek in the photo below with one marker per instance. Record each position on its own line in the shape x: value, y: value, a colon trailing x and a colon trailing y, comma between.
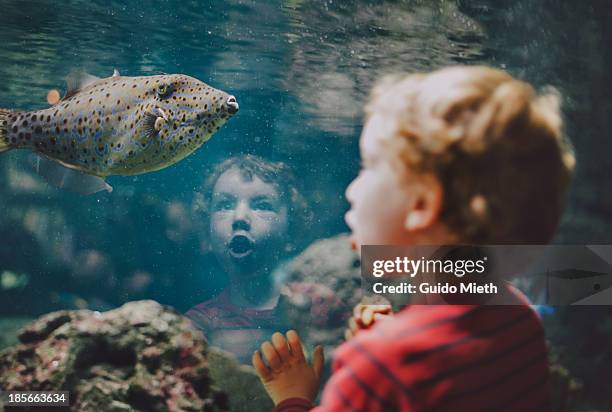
x: 220, y: 219
x: 269, y: 233
x: 270, y: 223
x: 218, y: 230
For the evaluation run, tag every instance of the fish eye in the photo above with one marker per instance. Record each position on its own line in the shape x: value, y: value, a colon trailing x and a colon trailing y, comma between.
x: 164, y: 90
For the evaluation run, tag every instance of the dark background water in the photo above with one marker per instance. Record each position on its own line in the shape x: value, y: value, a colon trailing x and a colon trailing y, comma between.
x: 301, y: 71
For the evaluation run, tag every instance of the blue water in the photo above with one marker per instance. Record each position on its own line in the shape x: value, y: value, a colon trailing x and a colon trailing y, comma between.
x: 301, y: 71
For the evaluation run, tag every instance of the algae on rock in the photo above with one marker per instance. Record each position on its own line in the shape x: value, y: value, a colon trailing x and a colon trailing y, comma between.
x: 141, y: 356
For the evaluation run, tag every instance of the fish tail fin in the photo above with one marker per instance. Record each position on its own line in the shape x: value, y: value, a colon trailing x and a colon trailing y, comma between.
x: 4, y: 130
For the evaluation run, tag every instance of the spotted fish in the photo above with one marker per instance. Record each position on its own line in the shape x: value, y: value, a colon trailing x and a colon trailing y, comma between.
x: 117, y: 126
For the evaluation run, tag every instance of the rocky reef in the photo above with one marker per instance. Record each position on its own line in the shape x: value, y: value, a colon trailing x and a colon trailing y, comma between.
x: 241, y: 384
x: 141, y: 356
x: 323, y: 285
x: 147, y: 357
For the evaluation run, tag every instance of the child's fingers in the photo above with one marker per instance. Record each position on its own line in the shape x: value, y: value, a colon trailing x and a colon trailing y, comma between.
x: 386, y: 309
x: 271, y: 356
x: 367, y: 316
x: 260, y: 367
x: 364, y: 314
x: 295, y: 345
x: 352, y: 324
x: 380, y: 308
x: 358, y: 309
x: 280, y: 344
x: 348, y: 334
x: 317, y: 361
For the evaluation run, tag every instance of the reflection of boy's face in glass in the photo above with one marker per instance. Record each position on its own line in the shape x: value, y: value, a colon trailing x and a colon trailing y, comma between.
x: 248, y: 223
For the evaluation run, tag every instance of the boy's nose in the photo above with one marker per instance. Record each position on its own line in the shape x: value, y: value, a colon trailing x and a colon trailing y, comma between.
x: 242, y: 220
x: 241, y: 225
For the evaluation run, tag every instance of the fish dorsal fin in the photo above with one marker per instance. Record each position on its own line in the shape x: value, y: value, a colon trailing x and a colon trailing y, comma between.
x: 116, y: 73
x: 77, y: 81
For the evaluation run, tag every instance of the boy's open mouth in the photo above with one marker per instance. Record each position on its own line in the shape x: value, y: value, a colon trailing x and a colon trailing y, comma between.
x: 240, y: 246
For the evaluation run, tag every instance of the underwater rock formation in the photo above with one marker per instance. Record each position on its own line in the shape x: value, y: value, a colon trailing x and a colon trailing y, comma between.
x: 240, y: 382
x: 141, y: 356
x: 323, y: 286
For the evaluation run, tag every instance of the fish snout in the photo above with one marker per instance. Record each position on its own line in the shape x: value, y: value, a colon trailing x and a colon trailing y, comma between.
x: 232, y: 105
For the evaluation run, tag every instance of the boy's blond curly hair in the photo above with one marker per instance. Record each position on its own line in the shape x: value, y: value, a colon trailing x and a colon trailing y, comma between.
x: 495, y: 145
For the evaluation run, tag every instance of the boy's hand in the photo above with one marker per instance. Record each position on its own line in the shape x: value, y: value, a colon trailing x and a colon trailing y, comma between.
x: 288, y: 374
x: 364, y: 316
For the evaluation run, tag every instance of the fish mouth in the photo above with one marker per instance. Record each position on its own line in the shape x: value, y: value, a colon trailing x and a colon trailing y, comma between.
x: 240, y: 246
x: 232, y: 105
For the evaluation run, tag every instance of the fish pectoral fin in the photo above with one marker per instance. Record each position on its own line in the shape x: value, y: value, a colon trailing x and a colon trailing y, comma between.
x: 159, y: 112
x: 65, y: 178
x: 151, y: 124
x: 77, y: 81
x: 154, y: 120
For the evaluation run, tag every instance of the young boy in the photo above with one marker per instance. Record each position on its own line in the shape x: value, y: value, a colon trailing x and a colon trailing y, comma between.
x: 464, y: 155
x: 252, y: 206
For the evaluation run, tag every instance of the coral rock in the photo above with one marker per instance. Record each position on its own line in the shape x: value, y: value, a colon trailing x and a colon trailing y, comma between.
x: 141, y: 356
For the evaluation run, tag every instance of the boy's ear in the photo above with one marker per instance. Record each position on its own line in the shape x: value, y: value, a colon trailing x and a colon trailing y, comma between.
x: 425, y: 204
